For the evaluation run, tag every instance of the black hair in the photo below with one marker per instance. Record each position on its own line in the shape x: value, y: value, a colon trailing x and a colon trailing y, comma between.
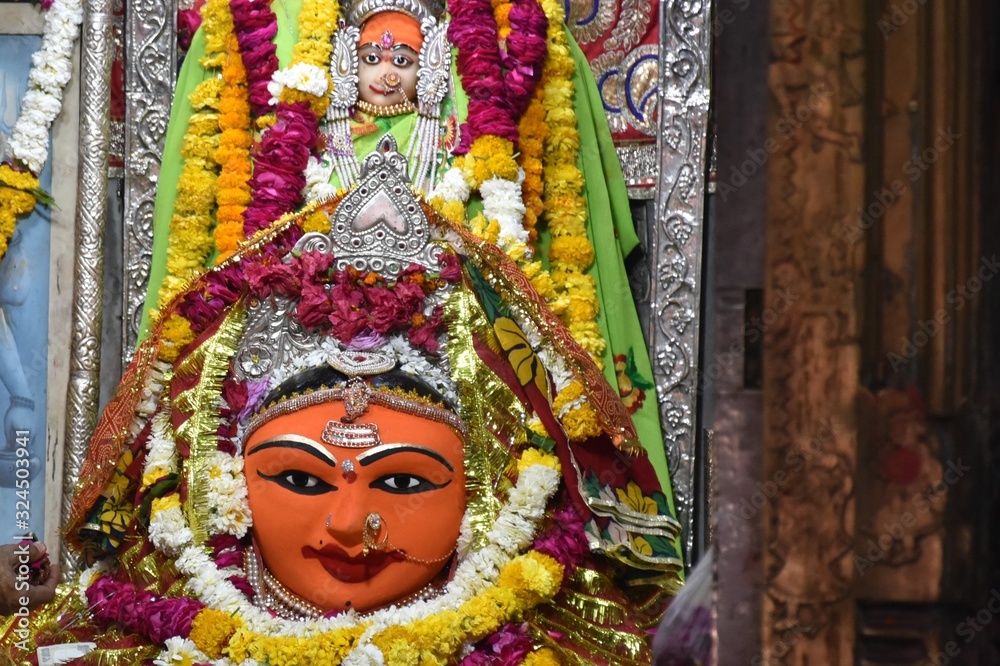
x: 326, y: 376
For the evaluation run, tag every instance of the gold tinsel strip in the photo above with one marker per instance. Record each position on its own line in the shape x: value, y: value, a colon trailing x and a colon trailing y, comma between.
x: 639, y: 653
x: 201, y: 429
x: 488, y: 408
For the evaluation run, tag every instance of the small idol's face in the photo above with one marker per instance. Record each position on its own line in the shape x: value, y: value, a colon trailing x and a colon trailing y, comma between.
x: 313, y: 499
x: 387, y: 73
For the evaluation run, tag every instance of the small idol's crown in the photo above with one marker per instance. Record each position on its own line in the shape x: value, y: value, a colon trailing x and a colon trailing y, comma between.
x: 379, y: 226
x: 359, y: 11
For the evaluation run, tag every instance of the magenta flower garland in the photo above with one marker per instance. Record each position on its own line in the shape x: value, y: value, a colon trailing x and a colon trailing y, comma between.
x: 255, y: 25
x: 480, y: 64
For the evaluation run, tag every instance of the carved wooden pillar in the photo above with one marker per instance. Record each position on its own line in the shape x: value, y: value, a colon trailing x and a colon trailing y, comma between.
x: 812, y: 352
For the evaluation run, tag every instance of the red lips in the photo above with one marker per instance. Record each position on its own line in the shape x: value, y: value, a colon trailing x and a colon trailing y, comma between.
x: 348, y: 569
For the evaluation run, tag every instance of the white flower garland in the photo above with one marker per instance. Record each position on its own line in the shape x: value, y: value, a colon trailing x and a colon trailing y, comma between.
x: 301, y: 76
x: 318, y: 172
x: 503, y: 201
x: 453, y: 186
x: 161, y: 458
x: 229, y: 508
x: 180, y: 652
x: 51, y: 70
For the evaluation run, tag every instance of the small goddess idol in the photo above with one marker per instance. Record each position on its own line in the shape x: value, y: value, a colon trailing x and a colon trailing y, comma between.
x: 345, y: 444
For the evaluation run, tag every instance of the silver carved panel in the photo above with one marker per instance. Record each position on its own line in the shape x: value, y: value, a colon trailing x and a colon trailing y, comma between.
x: 675, y: 238
x: 91, y: 214
x: 150, y: 76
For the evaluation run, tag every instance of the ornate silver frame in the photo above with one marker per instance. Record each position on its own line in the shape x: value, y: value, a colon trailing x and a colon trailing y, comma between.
x: 675, y: 232
x: 674, y: 236
x: 91, y: 214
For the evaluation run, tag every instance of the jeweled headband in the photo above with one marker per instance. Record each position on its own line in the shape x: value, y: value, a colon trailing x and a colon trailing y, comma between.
x: 357, y: 395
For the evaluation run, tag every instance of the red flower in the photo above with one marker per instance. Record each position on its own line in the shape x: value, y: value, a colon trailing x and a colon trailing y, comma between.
x: 314, y: 307
x: 313, y: 266
x: 451, y: 269
x: 279, y: 278
x: 426, y: 336
x: 385, y: 310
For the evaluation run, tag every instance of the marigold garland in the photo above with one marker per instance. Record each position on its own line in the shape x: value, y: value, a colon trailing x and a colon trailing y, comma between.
x: 16, y: 199
x: 565, y: 208
x: 501, y: 13
x: 190, y: 240
x: 317, y: 22
x: 534, y: 131
x: 233, y: 155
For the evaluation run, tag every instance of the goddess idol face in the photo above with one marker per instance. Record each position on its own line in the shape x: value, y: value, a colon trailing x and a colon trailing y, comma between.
x: 355, y: 515
x: 387, y: 60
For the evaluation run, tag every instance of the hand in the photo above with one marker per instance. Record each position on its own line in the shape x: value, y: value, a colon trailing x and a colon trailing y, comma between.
x: 13, y: 589
x: 17, y: 418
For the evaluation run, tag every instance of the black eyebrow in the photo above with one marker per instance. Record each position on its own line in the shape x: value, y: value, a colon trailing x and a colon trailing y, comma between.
x: 289, y: 444
x: 366, y: 459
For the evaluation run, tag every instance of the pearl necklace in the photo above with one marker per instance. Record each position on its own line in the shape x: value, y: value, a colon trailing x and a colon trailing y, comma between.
x: 272, y: 595
x: 389, y: 111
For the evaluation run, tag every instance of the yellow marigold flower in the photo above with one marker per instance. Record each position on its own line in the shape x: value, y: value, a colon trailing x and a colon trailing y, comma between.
x: 317, y: 222
x: 581, y: 310
x: 536, y: 426
x: 153, y: 475
x: 454, y: 211
x: 542, y: 657
x: 211, y: 631
x: 399, y: 652
x: 533, y: 456
x: 19, y: 180
x: 172, y: 501
x: 176, y: 335
x: 581, y: 423
x: 569, y: 393
x: 264, y: 122
x: 574, y: 250
x: 534, y: 575
x: 206, y: 94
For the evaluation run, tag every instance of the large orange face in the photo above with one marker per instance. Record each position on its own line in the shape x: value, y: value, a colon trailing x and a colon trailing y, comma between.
x: 310, y: 501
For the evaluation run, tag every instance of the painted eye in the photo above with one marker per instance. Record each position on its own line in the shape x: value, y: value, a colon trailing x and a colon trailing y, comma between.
x: 371, y: 59
x: 404, y: 484
x: 299, y: 482
x: 401, y: 61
